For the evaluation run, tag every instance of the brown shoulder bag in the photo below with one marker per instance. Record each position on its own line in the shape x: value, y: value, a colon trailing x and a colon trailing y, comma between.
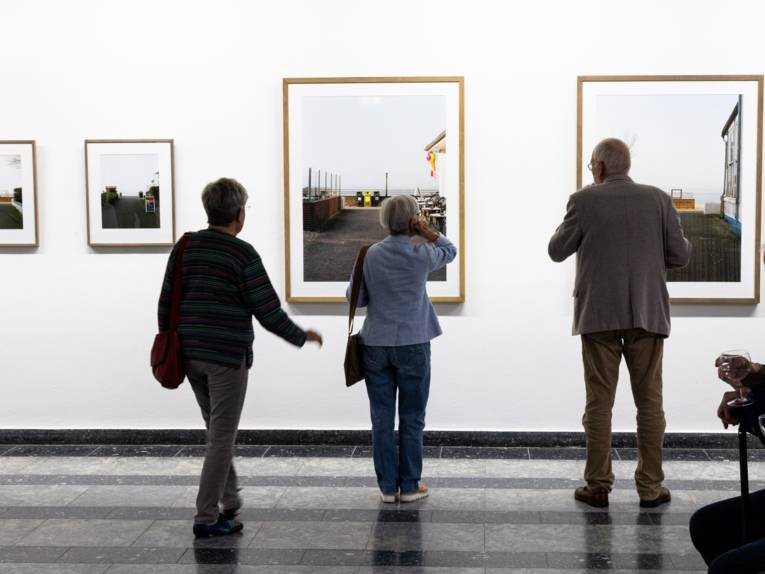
x: 353, y: 370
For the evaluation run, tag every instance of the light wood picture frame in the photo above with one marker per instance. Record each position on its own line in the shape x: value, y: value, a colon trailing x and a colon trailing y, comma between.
x: 19, y: 222
x: 349, y: 143
x: 130, y: 192
x: 699, y: 138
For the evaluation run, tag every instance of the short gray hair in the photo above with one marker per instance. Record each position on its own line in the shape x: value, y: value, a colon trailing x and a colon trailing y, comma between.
x: 222, y: 200
x: 615, y: 156
x: 397, y: 212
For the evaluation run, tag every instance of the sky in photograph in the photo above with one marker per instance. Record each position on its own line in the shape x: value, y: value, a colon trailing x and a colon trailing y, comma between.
x: 10, y: 173
x: 131, y: 173
x: 675, y: 140
x: 360, y: 138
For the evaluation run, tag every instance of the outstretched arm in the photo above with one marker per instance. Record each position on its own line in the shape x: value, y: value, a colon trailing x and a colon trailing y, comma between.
x: 263, y: 302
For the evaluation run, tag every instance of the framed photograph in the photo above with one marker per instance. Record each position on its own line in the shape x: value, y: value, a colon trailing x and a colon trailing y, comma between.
x: 130, y: 192
x: 351, y: 143
x: 698, y: 138
x: 18, y: 194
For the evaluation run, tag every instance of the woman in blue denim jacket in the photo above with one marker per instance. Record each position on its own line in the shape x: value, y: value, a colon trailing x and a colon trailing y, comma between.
x: 395, y: 338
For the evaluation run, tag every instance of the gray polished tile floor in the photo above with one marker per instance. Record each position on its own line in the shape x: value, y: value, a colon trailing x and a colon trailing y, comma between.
x: 128, y: 511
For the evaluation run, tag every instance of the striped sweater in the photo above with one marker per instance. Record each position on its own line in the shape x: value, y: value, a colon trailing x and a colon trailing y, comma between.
x: 224, y: 285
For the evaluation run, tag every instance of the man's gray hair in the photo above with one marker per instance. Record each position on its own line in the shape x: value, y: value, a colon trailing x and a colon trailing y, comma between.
x: 615, y: 156
x: 397, y: 212
x: 222, y: 200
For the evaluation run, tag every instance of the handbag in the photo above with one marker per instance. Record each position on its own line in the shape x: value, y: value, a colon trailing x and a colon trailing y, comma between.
x: 167, y: 351
x: 353, y: 370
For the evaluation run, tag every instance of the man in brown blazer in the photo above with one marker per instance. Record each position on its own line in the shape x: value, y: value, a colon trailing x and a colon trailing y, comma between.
x: 626, y: 236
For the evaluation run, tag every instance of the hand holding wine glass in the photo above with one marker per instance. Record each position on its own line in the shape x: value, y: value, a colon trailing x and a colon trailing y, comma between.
x: 733, y: 367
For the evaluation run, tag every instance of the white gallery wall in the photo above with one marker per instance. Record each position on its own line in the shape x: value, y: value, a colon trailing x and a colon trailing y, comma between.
x: 76, y: 324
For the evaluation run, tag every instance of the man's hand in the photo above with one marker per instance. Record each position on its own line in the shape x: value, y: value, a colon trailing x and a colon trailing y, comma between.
x: 420, y: 226
x: 314, y: 337
x: 726, y: 413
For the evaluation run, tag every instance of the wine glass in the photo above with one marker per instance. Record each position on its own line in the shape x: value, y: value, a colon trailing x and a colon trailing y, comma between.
x: 735, y: 367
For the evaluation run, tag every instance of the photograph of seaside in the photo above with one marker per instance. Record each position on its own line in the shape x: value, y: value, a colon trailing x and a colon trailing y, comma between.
x: 688, y: 145
x: 130, y: 191
x: 357, y: 151
x: 11, y: 192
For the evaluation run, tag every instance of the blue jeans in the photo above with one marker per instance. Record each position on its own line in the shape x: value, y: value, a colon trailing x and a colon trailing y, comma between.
x: 406, y: 370
x: 716, y: 534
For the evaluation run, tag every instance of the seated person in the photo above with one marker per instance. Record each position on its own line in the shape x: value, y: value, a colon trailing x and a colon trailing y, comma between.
x: 715, y: 528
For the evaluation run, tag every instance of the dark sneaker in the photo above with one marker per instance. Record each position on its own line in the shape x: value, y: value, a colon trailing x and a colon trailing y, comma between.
x: 664, y: 496
x: 229, y: 514
x: 596, y: 496
x: 220, y: 528
x: 389, y: 498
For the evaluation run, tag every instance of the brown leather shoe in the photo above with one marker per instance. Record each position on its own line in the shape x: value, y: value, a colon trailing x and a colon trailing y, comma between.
x: 664, y: 496
x: 596, y: 496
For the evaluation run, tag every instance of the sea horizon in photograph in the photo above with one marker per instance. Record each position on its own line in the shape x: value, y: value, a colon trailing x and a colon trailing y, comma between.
x: 358, y: 151
x: 688, y: 146
x: 129, y: 191
x: 11, y: 192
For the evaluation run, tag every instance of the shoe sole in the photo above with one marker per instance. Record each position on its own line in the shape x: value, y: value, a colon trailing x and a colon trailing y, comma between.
x: 388, y: 498
x: 414, y: 497
x: 593, y: 503
x: 654, y: 503
x: 219, y: 534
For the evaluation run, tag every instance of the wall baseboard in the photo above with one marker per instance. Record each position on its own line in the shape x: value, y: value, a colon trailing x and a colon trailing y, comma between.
x: 349, y: 437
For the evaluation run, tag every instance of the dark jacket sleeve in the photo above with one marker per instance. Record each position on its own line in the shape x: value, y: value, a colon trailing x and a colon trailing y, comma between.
x: 263, y: 302
x: 567, y: 238
x: 677, y: 249
x: 166, y: 294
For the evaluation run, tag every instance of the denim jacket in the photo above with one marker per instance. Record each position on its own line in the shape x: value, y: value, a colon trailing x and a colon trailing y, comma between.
x: 396, y: 271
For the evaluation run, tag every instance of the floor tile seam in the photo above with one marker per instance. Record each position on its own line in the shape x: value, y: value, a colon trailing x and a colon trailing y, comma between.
x: 72, y: 502
x: 261, y: 524
x: 137, y: 538
x: 20, y: 540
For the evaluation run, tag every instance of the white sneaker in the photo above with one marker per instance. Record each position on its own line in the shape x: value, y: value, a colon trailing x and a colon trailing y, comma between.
x: 418, y: 494
x: 389, y: 498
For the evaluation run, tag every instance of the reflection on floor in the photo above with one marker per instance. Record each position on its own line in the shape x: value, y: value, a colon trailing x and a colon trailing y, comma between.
x: 127, y: 510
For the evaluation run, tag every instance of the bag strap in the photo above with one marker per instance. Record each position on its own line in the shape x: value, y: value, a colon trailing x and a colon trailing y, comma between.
x: 358, y: 278
x: 175, y: 305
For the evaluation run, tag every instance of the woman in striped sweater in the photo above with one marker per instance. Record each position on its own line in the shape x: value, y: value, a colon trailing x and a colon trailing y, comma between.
x: 224, y: 286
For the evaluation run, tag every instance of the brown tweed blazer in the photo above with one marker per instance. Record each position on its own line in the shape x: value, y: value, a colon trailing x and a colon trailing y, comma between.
x: 625, y: 236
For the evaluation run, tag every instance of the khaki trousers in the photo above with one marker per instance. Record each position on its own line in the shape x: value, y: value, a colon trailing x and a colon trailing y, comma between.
x: 643, y: 353
x: 220, y: 393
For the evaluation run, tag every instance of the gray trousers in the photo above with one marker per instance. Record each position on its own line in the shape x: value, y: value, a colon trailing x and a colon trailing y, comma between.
x: 220, y: 393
